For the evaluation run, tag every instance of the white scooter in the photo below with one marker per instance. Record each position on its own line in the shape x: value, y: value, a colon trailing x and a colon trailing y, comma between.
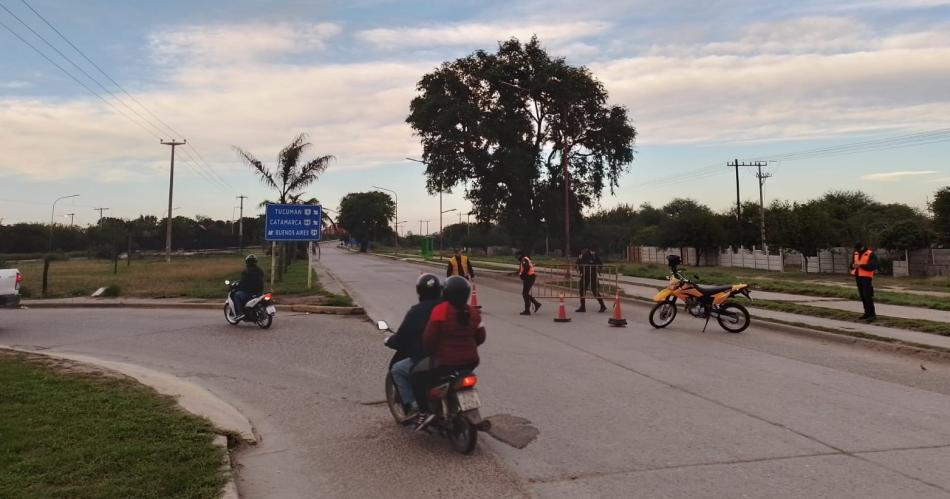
x: 259, y: 309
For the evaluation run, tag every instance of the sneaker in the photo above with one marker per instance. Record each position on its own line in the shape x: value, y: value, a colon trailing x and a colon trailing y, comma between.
x: 603, y: 308
x: 537, y: 306
x: 423, y: 420
x: 870, y: 318
x: 525, y: 313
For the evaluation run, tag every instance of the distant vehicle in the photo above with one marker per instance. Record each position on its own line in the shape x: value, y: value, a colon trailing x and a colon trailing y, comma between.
x: 259, y: 309
x: 10, y: 280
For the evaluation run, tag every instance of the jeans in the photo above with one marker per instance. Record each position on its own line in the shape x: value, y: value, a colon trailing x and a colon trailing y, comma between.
x: 400, y: 371
x: 240, y: 298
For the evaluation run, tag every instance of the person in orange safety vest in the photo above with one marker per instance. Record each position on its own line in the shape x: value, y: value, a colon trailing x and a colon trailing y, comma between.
x: 527, y: 273
x: 863, y: 264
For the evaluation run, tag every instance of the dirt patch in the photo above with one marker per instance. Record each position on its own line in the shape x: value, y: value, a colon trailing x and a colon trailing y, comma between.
x: 512, y: 430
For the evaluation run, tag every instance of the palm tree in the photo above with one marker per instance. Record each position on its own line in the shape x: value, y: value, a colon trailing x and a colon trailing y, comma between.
x: 289, y: 177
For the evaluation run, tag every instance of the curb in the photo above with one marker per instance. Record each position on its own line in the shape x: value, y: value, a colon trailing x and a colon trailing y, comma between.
x: 190, y: 397
x: 310, y: 309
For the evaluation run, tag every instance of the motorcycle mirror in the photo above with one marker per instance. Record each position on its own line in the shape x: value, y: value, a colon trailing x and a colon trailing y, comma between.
x: 227, y: 283
x: 382, y: 326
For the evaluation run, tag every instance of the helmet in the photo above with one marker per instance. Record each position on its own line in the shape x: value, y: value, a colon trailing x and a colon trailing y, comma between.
x: 250, y: 259
x: 428, y: 287
x: 457, y: 290
x: 674, y: 261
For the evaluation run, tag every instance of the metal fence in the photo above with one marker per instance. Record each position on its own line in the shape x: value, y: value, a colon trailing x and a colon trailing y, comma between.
x: 572, y: 281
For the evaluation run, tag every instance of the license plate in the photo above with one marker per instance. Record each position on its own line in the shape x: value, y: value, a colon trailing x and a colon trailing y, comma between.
x: 272, y: 310
x: 468, y: 400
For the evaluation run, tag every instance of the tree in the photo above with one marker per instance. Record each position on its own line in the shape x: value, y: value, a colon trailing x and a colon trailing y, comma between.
x: 289, y: 177
x: 906, y: 235
x: 689, y: 223
x: 365, y: 214
x: 499, y: 123
x: 940, y: 207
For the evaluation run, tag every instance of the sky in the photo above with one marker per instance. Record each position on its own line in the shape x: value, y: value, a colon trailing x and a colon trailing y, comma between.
x: 704, y: 83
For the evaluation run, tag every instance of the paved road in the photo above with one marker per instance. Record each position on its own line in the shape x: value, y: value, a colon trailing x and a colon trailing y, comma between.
x: 621, y: 412
x: 677, y: 413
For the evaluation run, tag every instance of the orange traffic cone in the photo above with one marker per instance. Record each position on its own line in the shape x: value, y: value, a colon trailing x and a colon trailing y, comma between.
x: 475, y: 297
x: 617, y: 320
x: 562, y: 312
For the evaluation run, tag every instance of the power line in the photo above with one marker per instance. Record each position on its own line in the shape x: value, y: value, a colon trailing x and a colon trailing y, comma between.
x: 194, y: 164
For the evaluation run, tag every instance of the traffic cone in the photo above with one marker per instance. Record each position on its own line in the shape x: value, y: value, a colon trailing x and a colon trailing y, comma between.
x: 475, y: 297
x: 562, y: 312
x: 617, y: 320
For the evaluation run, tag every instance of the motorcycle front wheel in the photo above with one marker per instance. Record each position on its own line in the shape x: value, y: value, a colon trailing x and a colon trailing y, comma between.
x: 463, y: 435
x: 264, y: 319
x: 733, y: 317
x: 229, y: 315
x: 393, y: 401
x: 662, y: 314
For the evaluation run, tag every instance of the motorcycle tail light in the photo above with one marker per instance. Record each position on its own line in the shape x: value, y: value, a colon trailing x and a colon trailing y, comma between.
x: 468, y: 381
x: 268, y: 296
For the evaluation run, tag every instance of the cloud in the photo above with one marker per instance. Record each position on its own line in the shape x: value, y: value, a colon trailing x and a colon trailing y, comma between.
x: 13, y: 85
x: 894, y: 176
x: 225, y: 44
x: 479, y: 34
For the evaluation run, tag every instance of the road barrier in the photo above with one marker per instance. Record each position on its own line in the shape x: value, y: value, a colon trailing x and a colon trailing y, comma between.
x: 574, y: 281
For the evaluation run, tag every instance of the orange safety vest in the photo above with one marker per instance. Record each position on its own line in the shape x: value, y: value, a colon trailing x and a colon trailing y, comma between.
x: 530, y: 267
x: 859, y: 260
x: 455, y: 266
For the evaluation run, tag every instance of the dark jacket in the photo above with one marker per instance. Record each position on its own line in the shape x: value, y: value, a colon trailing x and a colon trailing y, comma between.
x: 252, y: 280
x: 451, y: 343
x: 408, y: 338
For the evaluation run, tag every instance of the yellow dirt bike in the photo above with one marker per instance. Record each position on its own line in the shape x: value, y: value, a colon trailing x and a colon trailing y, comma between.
x: 700, y: 301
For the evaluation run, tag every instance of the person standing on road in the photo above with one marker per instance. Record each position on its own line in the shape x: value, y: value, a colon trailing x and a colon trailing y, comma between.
x: 460, y: 265
x: 250, y: 285
x: 864, y: 263
x: 408, y: 339
x: 588, y: 265
x: 527, y: 273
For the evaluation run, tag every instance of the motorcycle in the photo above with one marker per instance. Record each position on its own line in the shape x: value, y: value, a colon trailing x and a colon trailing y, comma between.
x: 259, y: 309
x: 453, y: 399
x: 701, y: 302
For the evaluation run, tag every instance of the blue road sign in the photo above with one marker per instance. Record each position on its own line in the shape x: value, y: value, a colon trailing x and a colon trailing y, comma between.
x: 293, y: 222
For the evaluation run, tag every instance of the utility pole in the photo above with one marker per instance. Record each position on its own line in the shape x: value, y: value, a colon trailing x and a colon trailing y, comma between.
x: 71, y: 218
x: 737, y: 164
x: 171, y: 187
x: 241, y: 225
x: 100, y: 210
x: 762, y: 176
x: 567, y: 187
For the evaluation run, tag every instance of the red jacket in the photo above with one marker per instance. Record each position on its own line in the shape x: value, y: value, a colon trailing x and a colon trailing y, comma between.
x: 450, y: 343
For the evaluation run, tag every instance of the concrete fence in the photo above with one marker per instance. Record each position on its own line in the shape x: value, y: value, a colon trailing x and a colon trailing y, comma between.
x: 752, y: 259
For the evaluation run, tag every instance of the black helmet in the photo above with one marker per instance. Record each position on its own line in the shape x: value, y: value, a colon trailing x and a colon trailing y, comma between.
x: 674, y: 261
x: 250, y: 259
x: 428, y: 287
x: 457, y: 290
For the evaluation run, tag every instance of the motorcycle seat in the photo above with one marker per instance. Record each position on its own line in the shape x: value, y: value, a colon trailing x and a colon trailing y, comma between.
x: 712, y: 290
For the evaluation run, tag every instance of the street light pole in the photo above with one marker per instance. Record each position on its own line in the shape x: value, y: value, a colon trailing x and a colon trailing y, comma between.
x: 52, y: 215
x: 395, y: 212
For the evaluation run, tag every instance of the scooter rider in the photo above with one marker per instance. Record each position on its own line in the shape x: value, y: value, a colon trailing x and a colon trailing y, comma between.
x: 408, y: 338
x: 250, y: 285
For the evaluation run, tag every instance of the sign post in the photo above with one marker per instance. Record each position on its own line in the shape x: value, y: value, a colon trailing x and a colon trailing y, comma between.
x: 291, y: 223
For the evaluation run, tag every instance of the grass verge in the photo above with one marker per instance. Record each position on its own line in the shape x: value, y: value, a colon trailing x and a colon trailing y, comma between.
x: 919, y: 325
x: 198, y: 276
x: 71, y: 431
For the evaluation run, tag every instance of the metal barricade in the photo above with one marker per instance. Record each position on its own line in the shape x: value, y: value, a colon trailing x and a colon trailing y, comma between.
x: 575, y: 281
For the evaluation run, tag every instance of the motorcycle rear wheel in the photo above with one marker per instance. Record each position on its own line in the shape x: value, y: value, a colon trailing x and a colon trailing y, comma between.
x: 463, y: 435
x: 393, y: 400
x: 662, y: 314
x: 229, y: 315
x: 264, y: 320
x: 733, y: 317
